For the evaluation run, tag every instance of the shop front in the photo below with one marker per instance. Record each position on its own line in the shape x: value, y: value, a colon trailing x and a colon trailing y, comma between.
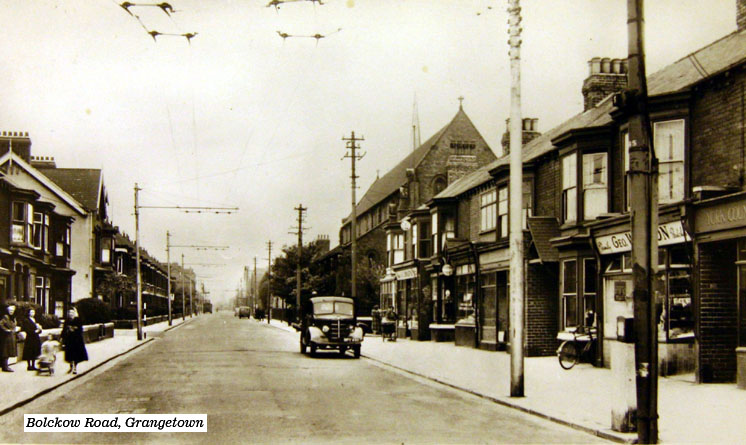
x: 720, y: 293
x: 493, y: 307
x: 673, y: 294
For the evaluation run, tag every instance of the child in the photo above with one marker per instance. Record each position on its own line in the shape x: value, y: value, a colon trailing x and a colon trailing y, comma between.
x: 48, y: 356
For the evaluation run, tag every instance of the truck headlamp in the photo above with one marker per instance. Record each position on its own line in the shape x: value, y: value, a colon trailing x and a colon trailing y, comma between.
x: 325, y: 329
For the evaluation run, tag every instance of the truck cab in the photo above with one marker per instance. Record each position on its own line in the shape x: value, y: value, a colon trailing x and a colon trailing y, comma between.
x: 330, y: 323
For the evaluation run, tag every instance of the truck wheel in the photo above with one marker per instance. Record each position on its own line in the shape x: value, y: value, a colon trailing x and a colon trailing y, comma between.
x: 313, y: 349
x: 342, y: 350
x: 302, y: 345
x: 356, y: 351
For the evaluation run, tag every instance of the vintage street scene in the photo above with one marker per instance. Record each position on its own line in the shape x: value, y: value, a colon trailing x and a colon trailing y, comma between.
x: 357, y: 221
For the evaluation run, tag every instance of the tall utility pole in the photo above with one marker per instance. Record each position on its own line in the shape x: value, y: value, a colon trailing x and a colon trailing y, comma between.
x: 183, y: 298
x: 351, y: 144
x: 256, y: 285
x: 301, y: 210
x: 643, y: 184
x: 516, y: 204
x: 168, y: 268
x: 137, y: 257
x: 269, y: 281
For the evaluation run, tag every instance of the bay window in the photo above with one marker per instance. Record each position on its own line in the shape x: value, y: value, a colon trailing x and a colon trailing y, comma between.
x: 487, y: 214
x: 40, y: 238
x: 569, y: 294
x: 502, y: 212
x: 595, y: 185
x: 398, y: 248
x: 23, y: 223
x: 435, y: 232
x: 449, y: 231
x: 569, y: 188
x: 424, y: 239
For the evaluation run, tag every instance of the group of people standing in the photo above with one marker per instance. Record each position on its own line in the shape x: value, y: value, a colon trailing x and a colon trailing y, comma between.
x: 26, y: 329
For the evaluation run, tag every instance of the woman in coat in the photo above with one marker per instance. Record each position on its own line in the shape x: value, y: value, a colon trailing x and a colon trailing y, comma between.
x: 8, y: 331
x: 32, y: 344
x: 72, y: 340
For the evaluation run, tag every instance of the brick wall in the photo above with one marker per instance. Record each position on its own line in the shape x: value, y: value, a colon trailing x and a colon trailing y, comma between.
x: 717, y: 133
x: 717, y: 312
x: 546, y: 187
x: 741, y: 14
x: 541, y: 309
x: 597, y: 86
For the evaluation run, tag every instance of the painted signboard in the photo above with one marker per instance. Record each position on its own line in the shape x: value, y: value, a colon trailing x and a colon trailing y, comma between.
x: 669, y: 233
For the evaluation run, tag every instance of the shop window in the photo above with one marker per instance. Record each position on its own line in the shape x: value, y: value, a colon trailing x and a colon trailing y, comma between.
x: 465, y: 295
x: 669, y: 148
x: 488, y: 308
x: 595, y: 188
x: 569, y: 189
x: 569, y: 294
x: 502, y: 212
x: 488, y: 207
x: 590, y: 275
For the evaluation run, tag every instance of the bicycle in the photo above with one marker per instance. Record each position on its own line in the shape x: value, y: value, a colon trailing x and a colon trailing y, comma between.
x: 572, y: 349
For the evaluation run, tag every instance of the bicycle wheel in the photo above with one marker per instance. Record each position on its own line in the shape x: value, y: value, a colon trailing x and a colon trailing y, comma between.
x: 567, y: 354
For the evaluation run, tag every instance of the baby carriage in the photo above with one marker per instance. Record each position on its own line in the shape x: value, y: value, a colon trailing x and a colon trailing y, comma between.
x: 45, y: 362
x: 388, y: 326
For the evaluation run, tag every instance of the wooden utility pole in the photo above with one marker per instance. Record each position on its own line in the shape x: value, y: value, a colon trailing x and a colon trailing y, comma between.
x: 301, y: 210
x: 183, y: 298
x: 516, y: 204
x: 269, y: 282
x: 643, y: 185
x: 137, y: 257
x: 168, y: 268
x: 351, y: 144
x: 256, y: 287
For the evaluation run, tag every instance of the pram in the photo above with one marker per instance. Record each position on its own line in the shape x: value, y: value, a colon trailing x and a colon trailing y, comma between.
x: 388, y: 328
x: 48, y: 357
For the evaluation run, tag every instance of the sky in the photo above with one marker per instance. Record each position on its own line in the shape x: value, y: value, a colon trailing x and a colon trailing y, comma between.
x: 240, y: 117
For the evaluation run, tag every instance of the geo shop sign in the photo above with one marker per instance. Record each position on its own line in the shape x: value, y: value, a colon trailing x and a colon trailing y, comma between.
x: 669, y: 233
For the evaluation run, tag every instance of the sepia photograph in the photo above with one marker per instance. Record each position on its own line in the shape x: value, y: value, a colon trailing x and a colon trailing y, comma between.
x: 373, y: 221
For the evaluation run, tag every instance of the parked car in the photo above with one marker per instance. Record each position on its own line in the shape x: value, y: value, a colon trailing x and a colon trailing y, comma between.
x: 330, y: 323
x: 244, y: 311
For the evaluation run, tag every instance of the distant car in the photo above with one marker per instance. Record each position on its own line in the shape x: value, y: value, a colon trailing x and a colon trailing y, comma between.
x: 244, y: 311
x: 331, y: 324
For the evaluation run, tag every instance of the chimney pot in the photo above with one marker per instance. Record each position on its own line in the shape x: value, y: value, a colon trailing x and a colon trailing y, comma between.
x: 606, y: 65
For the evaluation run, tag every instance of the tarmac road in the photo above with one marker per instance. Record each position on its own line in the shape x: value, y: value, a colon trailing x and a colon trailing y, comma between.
x: 255, y: 386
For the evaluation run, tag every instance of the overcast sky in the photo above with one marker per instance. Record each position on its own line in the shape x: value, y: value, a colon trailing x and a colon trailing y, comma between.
x: 241, y: 117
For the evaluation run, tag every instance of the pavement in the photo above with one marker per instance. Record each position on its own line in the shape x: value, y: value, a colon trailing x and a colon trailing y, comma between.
x: 256, y: 387
x: 22, y: 386
x: 580, y: 397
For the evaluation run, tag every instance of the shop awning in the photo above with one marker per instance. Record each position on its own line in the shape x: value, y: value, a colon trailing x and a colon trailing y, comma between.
x: 543, y: 229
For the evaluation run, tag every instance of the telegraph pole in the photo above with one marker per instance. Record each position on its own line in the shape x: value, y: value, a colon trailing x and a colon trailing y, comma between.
x: 643, y: 183
x: 168, y: 268
x: 516, y: 198
x: 351, y: 144
x: 269, y: 282
x: 301, y: 210
x: 183, y: 300
x: 137, y: 256
x: 256, y: 286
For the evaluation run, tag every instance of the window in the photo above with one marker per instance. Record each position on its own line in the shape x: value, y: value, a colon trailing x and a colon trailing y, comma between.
x: 569, y: 188
x: 40, y: 239
x: 669, y: 147
x: 502, y: 212
x: 589, y: 289
x: 488, y: 209
x: 424, y: 239
x: 595, y: 189
x: 414, y: 241
x: 528, y: 202
x: 569, y: 294
x: 435, y: 232
x: 625, y: 149
x: 463, y: 147
x: 449, y: 231
x: 398, y: 248
x: 42, y: 292
x: 439, y: 184
x: 23, y: 220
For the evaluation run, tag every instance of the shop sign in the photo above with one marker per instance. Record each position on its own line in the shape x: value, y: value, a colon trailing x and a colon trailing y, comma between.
x: 720, y: 217
x: 669, y: 233
x: 406, y: 274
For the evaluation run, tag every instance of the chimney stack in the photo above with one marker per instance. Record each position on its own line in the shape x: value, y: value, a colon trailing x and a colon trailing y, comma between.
x: 20, y: 142
x: 530, y: 129
x: 43, y: 162
x: 607, y: 76
x: 741, y: 14
x: 323, y: 243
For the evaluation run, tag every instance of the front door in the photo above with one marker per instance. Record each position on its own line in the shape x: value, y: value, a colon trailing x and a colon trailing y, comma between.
x: 488, y: 310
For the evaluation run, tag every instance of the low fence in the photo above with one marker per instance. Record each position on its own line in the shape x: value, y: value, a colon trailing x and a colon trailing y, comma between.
x: 91, y: 333
x: 132, y: 324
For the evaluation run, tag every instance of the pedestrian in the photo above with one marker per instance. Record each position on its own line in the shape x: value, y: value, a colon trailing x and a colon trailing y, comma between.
x: 8, y: 330
x: 72, y: 341
x: 32, y: 344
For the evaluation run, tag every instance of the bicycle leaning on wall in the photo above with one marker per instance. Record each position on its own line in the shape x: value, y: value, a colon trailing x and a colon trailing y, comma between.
x: 577, y: 343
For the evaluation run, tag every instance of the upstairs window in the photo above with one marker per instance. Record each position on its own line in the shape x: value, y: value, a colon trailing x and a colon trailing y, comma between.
x: 439, y: 184
x: 41, y: 232
x: 595, y: 185
x: 488, y: 206
x: 502, y: 212
x: 449, y: 231
x: 669, y: 147
x: 23, y: 221
x: 398, y: 248
x: 434, y: 235
x: 528, y: 202
x: 424, y: 239
x: 569, y: 188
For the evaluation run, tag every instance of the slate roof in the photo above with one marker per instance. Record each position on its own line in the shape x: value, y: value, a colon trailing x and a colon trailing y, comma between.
x: 681, y: 75
x: 543, y: 229
x: 83, y: 184
x: 397, y: 176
